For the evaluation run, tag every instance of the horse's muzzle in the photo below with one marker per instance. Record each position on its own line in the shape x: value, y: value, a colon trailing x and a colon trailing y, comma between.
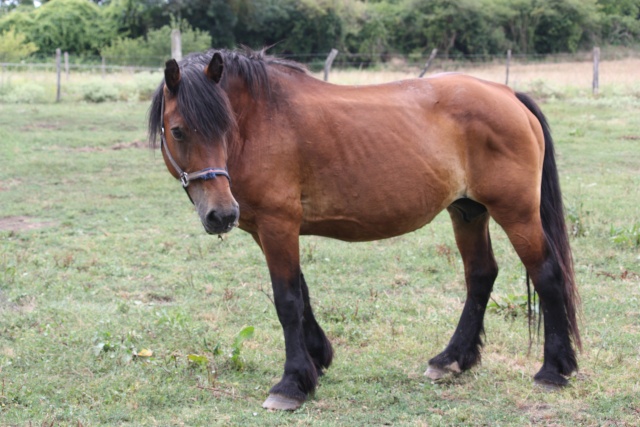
x: 219, y: 222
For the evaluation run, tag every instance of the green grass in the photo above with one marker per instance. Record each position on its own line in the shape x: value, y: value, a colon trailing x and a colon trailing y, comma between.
x: 122, y: 265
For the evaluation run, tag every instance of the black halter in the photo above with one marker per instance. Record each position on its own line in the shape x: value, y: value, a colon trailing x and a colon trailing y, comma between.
x: 186, y: 177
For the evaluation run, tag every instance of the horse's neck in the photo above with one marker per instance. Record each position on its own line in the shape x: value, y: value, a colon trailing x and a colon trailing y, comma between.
x: 257, y: 113
x: 244, y: 110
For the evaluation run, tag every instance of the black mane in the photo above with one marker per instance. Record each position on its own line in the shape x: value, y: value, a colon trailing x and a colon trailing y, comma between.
x: 203, y: 104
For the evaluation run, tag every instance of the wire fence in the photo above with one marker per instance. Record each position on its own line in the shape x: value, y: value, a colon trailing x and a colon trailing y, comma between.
x: 66, y: 70
x: 52, y: 67
x: 316, y: 60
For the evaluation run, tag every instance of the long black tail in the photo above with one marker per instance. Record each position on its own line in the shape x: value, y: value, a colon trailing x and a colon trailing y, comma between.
x: 552, y: 214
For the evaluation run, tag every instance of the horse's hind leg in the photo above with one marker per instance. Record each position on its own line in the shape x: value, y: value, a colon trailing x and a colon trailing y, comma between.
x: 525, y: 231
x: 471, y: 228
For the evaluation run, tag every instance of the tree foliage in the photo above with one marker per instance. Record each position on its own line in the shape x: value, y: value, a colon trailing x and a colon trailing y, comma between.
x: 14, y: 46
x: 373, y: 29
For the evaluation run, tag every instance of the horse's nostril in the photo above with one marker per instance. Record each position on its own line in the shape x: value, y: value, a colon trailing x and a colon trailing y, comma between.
x: 228, y: 220
x: 213, y: 218
x: 221, y: 222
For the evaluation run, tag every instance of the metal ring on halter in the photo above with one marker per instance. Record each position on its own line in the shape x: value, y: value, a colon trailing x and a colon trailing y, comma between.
x: 184, y: 178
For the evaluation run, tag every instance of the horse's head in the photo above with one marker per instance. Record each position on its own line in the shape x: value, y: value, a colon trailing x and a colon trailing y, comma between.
x: 195, y: 122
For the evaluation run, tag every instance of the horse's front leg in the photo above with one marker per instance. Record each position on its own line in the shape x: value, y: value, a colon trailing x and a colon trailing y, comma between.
x: 280, y: 245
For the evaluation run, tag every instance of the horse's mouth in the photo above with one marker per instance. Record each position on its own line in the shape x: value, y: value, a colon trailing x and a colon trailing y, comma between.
x: 210, y: 229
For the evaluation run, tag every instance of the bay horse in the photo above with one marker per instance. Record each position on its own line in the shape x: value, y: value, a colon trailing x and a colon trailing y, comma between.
x: 260, y: 144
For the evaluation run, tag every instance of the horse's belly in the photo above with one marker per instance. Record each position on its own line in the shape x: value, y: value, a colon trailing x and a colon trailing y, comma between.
x: 356, y: 220
x: 351, y: 230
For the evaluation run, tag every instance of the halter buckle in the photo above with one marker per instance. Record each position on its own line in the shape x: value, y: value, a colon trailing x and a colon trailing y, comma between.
x: 184, y: 178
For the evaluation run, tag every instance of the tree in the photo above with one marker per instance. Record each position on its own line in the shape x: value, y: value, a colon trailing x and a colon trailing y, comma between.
x: 452, y: 26
x: 75, y: 26
x: 296, y: 26
x: 564, y: 24
x: 620, y: 21
x: 520, y: 19
x: 20, y: 19
x: 217, y: 17
x: 135, y: 18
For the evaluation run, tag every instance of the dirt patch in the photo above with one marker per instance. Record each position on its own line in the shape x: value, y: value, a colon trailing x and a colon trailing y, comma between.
x: 119, y: 146
x: 631, y: 137
x: 21, y: 223
x: 159, y: 297
x: 133, y: 144
x: 40, y: 126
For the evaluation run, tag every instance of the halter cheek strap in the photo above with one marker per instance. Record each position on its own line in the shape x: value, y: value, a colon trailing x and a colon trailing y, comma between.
x: 186, y: 177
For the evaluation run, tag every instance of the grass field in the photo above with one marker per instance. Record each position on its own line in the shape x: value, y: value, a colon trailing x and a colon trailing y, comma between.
x: 116, y: 309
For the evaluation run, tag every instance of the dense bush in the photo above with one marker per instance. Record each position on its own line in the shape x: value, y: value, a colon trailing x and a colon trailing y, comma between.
x: 156, y: 47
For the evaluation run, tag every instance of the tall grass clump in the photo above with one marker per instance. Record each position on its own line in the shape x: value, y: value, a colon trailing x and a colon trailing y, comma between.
x: 99, y: 92
x: 22, y: 93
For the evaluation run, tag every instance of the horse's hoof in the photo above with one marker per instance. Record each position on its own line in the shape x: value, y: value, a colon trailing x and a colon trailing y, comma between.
x: 436, y: 373
x: 278, y: 402
x: 550, y: 381
x: 548, y: 386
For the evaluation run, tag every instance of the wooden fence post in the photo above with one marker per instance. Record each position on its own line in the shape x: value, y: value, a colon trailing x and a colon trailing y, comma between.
x: 329, y: 62
x: 58, y: 71
x: 434, y: 52
x: 104, y: 67
x: 176, y: 45
x: 506, y: 81
x: 596, y: 71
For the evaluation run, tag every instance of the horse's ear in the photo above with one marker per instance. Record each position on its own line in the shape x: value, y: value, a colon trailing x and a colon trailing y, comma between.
x: 172, y: 75
x: 215, y: 67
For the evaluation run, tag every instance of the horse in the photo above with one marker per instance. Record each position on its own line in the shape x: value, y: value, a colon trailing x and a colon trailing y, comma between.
x: 260, y: 144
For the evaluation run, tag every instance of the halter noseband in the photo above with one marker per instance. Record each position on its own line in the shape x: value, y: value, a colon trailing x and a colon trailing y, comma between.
x: 186, y: 177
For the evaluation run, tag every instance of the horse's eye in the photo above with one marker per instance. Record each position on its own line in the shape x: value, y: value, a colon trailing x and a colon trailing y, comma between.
x: 177, y: 134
